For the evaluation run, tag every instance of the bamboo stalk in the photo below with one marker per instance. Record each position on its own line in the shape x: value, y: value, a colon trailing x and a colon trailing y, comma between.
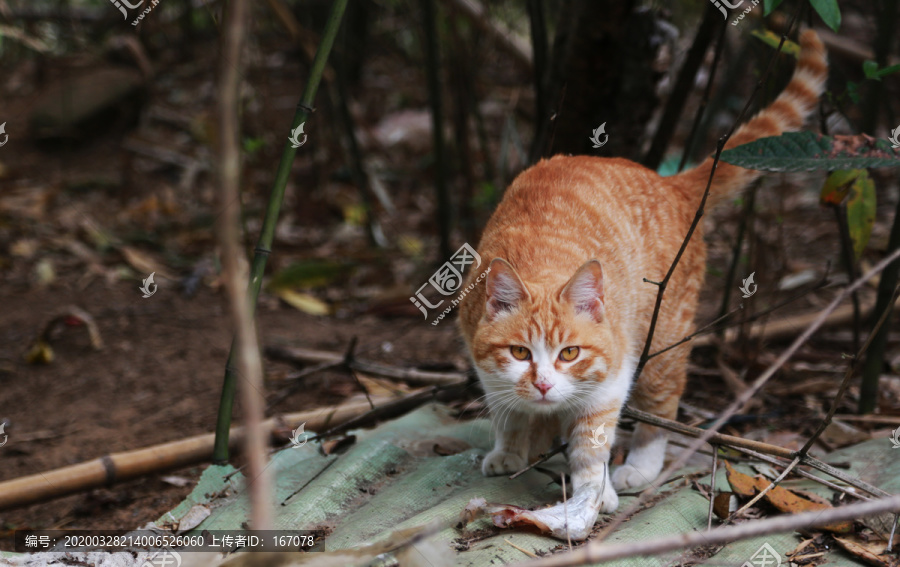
x: 267, y: 235
x: 118, y: 467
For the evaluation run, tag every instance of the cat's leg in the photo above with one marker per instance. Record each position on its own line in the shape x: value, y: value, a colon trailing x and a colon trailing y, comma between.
x: 657, y: 391
x: 589, y: 451
x: 511, y: 444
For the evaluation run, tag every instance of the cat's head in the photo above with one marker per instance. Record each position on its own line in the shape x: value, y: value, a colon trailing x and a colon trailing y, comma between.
x: 544, y: 347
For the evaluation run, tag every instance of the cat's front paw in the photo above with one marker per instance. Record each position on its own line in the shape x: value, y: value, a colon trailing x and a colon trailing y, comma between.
x: 628, y: 476
x: 500, y: 462
x: 610, y: 500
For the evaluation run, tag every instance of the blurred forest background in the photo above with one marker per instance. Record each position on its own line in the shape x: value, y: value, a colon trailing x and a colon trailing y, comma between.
x: 107, y: 175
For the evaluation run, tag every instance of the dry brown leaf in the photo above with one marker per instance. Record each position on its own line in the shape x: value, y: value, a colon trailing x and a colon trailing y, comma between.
x: 725, y: 504
x: 870, y: 551
x: 782, y: 499
x: 741, y: 484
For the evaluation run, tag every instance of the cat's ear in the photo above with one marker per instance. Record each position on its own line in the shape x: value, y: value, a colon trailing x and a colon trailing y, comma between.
x: 585, y: 290
x: 504, y: 288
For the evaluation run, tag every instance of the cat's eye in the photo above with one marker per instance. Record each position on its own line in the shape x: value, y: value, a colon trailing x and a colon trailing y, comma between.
x: 520, y: 353
x: 569, y: 354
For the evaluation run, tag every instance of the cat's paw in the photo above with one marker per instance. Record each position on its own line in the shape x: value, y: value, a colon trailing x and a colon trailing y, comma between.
x: 628, y: 476
x: 610, y: 500
x: 500, y: 462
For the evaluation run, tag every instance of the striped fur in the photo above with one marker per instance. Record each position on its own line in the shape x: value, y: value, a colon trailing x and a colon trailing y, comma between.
x: 569, y: 246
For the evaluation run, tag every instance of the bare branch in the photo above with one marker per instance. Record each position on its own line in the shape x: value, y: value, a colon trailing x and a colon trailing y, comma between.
x: 596, y: 552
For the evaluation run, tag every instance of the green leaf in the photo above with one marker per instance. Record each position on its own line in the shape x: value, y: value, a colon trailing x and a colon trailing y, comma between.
x: 861, y: 212
x: 829, y: 11
x: 769, y: 5
x: 808, y: 151
x: 870, y: 68
x: 772, y: 39
x: 838, y: 185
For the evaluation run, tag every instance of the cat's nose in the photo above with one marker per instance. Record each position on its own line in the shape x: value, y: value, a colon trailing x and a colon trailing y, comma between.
x: 543, y: 386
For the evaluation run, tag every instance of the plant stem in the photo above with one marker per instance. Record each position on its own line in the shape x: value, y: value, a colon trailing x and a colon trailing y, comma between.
x: 267, y: 235
x: 868, y: 391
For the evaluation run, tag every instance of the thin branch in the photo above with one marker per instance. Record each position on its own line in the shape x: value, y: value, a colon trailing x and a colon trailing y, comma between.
x: 246, y: 342
x: 851, y: 369
x: 330, y: 359
x: 597, y: 552
x: 542, y: 459
x: 705, y: 329
x: 803, y: 473
x: 712, y: 486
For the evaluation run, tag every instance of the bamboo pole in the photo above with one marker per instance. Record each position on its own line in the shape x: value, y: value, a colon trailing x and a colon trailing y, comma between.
x: 118, y: 467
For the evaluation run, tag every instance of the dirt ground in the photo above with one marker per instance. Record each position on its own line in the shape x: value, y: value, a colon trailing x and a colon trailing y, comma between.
x: 78, y: 222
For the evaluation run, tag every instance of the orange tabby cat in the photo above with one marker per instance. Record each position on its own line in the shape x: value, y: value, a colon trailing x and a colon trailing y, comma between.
x: 556, y: 331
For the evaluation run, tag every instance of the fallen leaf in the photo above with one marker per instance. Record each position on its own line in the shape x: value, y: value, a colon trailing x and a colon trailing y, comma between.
x: 725, y: 504
x: 741, y: 484
x: 193, y: 518
x: 870, y: 551
x: 304, y: 302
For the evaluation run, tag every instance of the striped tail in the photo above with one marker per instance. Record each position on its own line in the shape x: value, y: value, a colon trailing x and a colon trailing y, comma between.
x: 786, y: 113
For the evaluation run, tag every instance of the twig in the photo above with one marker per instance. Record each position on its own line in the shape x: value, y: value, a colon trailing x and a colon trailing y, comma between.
x: 542, y: 459
x: 712, y: 486
x: 803, y: 473
x: 332, y: 358
x: 765, y: 491
x: 597, y: 552
x: 397, y: 407
x: 715, y: 439
x: 705, y: 329
x: 893, y: 530
x: 228, y: 233
x: 525, y: 551
x: 566, y: 508
x: 845, y: 383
